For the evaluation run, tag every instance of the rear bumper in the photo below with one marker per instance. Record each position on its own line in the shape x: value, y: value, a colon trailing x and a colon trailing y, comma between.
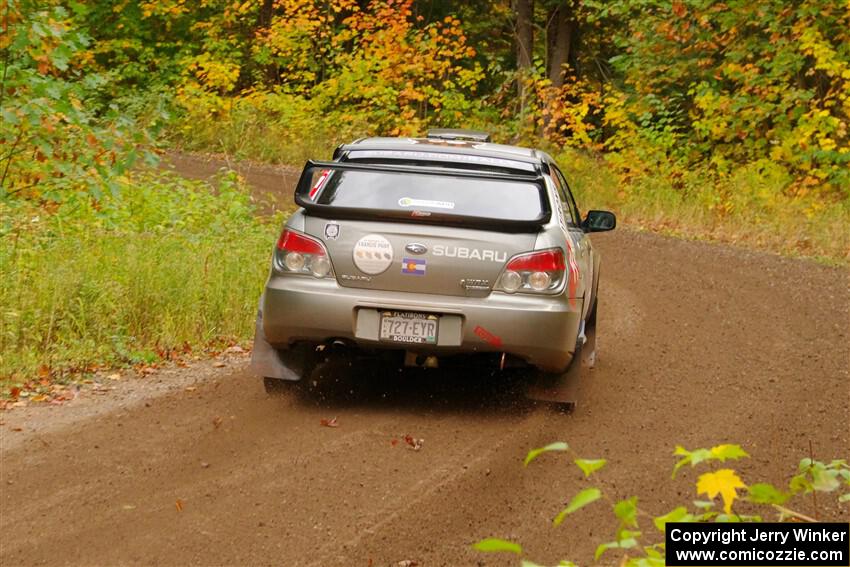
x: 540, y: 330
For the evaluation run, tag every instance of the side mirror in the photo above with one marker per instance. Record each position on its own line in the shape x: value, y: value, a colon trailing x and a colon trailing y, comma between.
x: 599, y: 221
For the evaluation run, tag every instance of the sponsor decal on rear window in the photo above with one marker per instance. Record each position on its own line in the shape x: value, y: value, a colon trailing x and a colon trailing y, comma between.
x: 408, y: 202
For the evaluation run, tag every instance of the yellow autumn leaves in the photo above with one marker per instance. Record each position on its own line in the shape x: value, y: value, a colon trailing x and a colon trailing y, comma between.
x: 724, y: 482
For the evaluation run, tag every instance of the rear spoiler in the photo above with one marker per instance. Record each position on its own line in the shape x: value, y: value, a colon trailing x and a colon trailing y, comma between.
x: 306, y: 185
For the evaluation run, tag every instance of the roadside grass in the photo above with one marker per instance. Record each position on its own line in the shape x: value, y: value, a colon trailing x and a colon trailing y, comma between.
x: 164, y: 265
x: 747, y: 208
x: 272, y: 129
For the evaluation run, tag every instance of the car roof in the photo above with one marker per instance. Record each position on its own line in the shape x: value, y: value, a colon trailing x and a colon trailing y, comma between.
x: 442, y: 146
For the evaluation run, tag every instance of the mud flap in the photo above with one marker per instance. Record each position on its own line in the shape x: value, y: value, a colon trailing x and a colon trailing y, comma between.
x: 589, y: 348
x: 269, y: 362
x: 560, y: 389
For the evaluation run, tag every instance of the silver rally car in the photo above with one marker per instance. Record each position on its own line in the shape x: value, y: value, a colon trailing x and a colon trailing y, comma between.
x: 422, y: 249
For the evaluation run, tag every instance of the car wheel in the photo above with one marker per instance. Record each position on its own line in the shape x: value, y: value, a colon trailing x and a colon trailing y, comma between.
x: 330, y: 377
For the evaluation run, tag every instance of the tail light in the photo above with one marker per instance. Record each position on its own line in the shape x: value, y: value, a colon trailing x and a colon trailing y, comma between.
x: 535, y: 272
x: 300, y: 254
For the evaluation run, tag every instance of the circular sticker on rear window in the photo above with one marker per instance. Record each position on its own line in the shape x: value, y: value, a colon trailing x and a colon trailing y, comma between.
x: 373, y: 254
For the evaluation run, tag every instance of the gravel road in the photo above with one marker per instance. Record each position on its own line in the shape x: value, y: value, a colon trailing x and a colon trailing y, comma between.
x: 699, y: 345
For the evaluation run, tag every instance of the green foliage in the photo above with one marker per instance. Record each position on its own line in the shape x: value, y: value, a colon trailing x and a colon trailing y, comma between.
x: 756, y: 213
x: 589, y: 466
x: 276, y: 128
x: 626, y: 512
x: 628, y: 541
x: 162, y: 264
x: 679, y: 514
x: 748, y: 142
x: 579, y: 501
x: 534, y: 453
x: 527, y: 563
x: 820, y: 477
x: 812, y: 476
x: 719, y: 453
x: 55, y: 138
x: 778, y: 90
x: 494, y: 544
x: 766, y: 493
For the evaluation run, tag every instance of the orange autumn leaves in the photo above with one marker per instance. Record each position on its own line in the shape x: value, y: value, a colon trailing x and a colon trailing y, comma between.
x: 382, y: 62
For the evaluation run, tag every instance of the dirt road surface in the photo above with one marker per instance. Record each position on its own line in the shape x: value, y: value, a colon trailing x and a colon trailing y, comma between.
x: 700, y: 345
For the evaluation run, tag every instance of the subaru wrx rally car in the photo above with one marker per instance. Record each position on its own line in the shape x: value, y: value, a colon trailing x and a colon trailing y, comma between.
x: 432, y: 250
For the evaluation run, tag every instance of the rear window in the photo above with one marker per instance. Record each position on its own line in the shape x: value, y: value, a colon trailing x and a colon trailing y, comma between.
x: 427, y: 194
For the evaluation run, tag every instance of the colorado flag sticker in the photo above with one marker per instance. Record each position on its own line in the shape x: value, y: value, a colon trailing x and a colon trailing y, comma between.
x: 413, y: 266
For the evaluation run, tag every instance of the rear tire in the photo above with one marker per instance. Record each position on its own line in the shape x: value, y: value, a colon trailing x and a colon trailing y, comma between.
x: 330, y: 377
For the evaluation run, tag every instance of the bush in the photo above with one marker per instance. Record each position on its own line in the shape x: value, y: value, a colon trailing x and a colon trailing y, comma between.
x: 276, y: 128
x: 747, y: 208
x: 55, y: 135
x: 639, y: 548
x: 162, y: 264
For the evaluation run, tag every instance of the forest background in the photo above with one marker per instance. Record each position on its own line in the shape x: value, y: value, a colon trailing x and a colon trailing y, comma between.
x: 715, y: 120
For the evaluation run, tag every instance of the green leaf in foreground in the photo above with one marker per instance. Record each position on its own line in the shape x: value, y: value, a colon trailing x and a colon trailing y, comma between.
x: 589, y: 466
x: 825, y: 480
x: 720, y: 453
x: 534, y: 453
x: 728, y: 451
x: 679, y: 514
x: 646, y: 562
x: 626, y: 543
x: 492, y: 544
x: 579, y: 501
x: 626, y: 511
x: 765, y: 493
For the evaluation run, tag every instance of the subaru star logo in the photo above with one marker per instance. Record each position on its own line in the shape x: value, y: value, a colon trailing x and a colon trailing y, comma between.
x: 416, y: 248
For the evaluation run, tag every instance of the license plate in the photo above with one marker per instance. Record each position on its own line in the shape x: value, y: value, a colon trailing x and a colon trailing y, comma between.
x: 406, y: 327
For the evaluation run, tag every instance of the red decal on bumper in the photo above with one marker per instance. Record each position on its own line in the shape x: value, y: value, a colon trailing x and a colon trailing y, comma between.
x: 487, y: 336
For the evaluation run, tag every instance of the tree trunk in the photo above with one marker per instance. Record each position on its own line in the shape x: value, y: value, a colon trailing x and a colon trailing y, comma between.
x: 524, y: 34
x: 264, y: 17
x: 264, y: 21
x: 524, y: 45
x: 560, y: 53
x: 551, y: 29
